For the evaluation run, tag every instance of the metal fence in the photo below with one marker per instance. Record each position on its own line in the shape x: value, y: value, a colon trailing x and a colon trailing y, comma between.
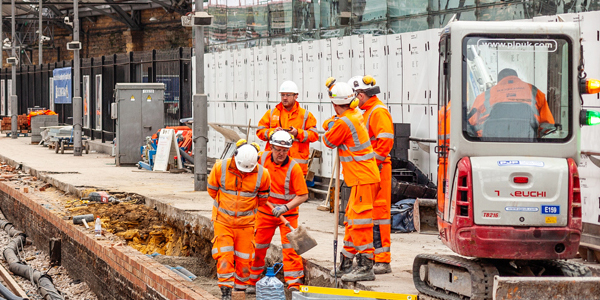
x: 98, y: 78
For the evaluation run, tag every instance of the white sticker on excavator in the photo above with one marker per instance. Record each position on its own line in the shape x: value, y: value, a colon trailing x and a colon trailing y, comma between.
x: 528, y: 163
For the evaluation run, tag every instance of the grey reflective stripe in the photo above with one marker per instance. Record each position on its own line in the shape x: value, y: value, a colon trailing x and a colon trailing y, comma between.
x: 253, y: 268
x: 254, y: 276
x: 246, y: 213
x: 263, y: 196
x: 313, y: 130
x: 348, y: 244
x: 379, y: 157
x: 364, y: 157
x: 249, y: 195
x: 227, y: 212
x: 263, y: 158
x: 214, y: 251
x: 227, y: 249
x: 286, y: 246
x: 224, y: 172
x: 242, y: 255
x: 385, y: 135
x: 328, y: 143
x: 345, y: 158
x: 442, y: 137
x: 382, y: 222
x: 261, y: 127
x: 347, y: 254
x: 360, y: 221
x: 288, y: 177
x: 226, y: 191
x: 259, y: 178
x: 305, y: 118
x: 368, y: 255
x: 301, y: 161
x: 262, y: 246
x: 297, y: 280
x: 343, y: 147
x: 534, y: 91
x: 357, y: 145
x: 369, y: 117
x: 293, y: 274
x: 226, y: 275
x: 212, y: 187
x: 382, y: 250
x: 267, y: 135
x: 233, y: 213
x: 364, y: 247
x: 240, y: 286
x: 282, y: 197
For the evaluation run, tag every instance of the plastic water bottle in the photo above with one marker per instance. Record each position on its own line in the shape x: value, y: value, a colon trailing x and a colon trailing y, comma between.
x: 269, y: 287
x: 98, y: 227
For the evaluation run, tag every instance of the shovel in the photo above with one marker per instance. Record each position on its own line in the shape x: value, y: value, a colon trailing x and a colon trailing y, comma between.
x: 299, y: 238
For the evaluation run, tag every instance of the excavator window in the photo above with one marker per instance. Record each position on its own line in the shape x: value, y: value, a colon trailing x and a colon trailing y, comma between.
x: 518, y: 88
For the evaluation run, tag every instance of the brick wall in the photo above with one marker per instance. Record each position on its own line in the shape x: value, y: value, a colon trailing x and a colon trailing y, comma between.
x: 102, y: 35
x: 112, y: 270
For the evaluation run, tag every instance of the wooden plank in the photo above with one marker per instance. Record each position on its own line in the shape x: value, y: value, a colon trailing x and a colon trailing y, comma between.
x: 11, y: 283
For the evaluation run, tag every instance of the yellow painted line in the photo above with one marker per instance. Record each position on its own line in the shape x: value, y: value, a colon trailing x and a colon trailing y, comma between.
x: 355, y: 293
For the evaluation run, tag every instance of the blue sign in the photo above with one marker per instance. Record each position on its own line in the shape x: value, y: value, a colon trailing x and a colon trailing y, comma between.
x: 527, y: 163
x: 551, y: 209
x: 62, y: 85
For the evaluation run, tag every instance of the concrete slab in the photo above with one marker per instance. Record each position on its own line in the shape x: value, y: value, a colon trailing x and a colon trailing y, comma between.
x: 174, y: 192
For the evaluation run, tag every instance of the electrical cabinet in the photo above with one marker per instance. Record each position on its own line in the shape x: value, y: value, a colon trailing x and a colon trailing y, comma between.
x: 273, y: 78
x: 298, y: 70
x: 312, y: 70
x: 357, y: 54
x: 209, y: 76
x: 326, y: 70
x: 394, y: 76
x: 261, y: 69
x: 140, y: 113
x: 221, y: 79
x: 396, y: 112
x: 284, y: 63
x: 239, y: 88
x: 229, y: 75
x: 341, y: 62
x: 418, y: 116
x: 416, y: 74
x: 250, y: 75
x: 376, y: 62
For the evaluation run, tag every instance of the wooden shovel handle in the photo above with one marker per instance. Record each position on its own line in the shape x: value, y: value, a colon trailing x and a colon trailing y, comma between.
x: 282, y: 218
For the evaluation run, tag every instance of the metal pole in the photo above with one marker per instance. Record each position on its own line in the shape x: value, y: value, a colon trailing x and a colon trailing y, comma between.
x: 200, y: 110
x: 77, y: 110
x: 13, y: 96
x: 40, y: 35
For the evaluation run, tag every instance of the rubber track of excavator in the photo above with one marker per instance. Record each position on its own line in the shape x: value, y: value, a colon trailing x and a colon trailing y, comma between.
x: 482, y: 277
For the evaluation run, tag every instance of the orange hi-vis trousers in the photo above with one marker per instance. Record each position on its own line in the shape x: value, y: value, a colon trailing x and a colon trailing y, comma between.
x: 293, y: 269
x: 233, y: 250
x: 382, y: 227
x: 358, y: 236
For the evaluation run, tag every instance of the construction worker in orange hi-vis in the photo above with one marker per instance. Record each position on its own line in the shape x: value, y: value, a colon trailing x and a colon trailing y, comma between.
x: 511, y: 89
x: 380, y: 127
x: 289, y: 116
x: 238, y: 185
x: 346, y: 131
x: 288, y: 191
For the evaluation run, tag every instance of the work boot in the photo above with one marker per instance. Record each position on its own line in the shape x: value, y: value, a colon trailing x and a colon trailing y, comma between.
x: 382, y: 268
x: 251, y: 289
x: 344, y: 267
x: 225, y: 293
x: 363, y: 270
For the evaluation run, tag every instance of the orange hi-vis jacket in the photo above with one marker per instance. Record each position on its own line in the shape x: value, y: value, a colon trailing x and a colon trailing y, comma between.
x: 347, y: 132
x: 510, y: 89
x: 298, y: 118
x: 380, y: 128
x: 287, y: 181
x: 237, y: 194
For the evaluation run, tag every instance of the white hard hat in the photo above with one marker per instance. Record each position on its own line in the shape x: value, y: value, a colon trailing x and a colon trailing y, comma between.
x: 288, y: 87
x: 341, y: 94
x: 362, y: 82
x: 246, y: 158
x: 281, y: 138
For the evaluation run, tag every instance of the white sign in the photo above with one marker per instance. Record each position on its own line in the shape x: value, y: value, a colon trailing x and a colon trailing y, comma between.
x: 167, y: 148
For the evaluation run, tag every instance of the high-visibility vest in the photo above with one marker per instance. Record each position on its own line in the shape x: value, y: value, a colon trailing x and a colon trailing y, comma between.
x: 510, y: 89
x: 287, y: 181
x: 349, y: 134
x: 380, y: 128
x: 237, y: 194
x: 298, y: 118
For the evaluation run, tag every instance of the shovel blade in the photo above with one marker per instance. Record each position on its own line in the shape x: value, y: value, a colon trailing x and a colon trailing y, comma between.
x: 300, y: 240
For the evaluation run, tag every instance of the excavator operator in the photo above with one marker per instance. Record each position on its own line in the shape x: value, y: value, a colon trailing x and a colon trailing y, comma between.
x: 510, y: 89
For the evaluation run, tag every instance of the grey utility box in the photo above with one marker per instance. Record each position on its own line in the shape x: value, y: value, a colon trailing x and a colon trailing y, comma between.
x: 140, y: 113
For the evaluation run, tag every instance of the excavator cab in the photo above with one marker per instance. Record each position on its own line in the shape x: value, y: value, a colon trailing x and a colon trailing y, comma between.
x: 509, y: 128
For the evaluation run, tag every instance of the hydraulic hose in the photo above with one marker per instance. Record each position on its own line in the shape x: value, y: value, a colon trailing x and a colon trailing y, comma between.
x: 43, y: 281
